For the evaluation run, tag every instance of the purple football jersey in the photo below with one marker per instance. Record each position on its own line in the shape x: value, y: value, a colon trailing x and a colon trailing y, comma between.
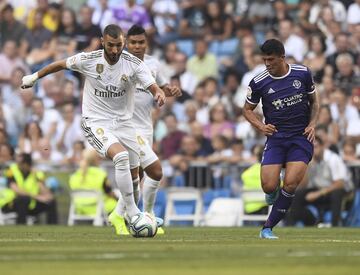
x: 285, y: 99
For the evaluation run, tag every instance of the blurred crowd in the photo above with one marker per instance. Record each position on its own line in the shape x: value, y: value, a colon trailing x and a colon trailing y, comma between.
x: 208, y: 48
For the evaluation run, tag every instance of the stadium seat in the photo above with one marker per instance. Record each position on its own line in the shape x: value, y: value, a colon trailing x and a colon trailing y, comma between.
x: 255, y: 195
x: 223, y: 212
x: 7, y: 218
x: 186, y: 47
x: 98, y: 219
x: 211, y: 194
x: 183, y: 206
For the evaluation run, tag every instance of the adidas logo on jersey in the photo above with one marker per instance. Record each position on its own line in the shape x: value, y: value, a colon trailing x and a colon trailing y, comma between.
x: 271, y: 91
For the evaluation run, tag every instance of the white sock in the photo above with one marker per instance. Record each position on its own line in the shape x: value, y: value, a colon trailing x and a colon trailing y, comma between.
x: 124, y: 183
x: 120, y: 207
x: 136, y: 187
x: 149, y: 194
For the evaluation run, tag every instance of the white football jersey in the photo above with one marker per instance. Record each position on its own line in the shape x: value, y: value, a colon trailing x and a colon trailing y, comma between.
x: 144, y: 99
x: 109, y: 89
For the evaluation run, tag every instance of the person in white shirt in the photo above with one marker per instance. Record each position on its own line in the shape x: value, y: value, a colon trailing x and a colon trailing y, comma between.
x: 108, y: 104
x: 136, y: 43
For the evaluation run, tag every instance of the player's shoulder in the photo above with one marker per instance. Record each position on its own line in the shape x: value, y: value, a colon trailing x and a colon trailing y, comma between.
x: 260, y: 77
x: 299, y: 68
x: 151, y: 61
x: 92, y: 55
x: 128, y: 57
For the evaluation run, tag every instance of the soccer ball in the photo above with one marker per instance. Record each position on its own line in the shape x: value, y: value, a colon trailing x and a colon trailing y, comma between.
x: 143, y: 225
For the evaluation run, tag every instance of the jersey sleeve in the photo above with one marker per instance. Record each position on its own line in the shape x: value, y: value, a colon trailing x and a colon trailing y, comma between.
x: 144, y: 76
x: 160, y: 79
x: 309, y: 82
x: 76, y: 62
x: 253, y: 95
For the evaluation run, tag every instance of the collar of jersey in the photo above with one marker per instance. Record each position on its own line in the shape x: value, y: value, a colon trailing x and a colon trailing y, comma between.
x: 281, y: 77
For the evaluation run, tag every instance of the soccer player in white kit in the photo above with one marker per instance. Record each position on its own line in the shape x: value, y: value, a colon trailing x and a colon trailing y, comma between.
x: 108, y: 104
x: 136, y: 44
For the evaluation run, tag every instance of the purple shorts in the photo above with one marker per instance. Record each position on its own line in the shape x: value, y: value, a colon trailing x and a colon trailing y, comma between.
x: 283, y: 150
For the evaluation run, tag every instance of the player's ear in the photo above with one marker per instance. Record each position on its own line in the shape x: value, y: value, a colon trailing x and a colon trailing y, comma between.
x: 102, y: 42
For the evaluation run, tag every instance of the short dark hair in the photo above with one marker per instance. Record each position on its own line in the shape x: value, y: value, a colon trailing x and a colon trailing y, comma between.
x: 113, y: 30
x: 273, y: 46
x: 136, y: 30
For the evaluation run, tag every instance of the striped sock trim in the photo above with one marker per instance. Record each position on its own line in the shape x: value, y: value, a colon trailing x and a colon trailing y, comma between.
x: 286, y: 194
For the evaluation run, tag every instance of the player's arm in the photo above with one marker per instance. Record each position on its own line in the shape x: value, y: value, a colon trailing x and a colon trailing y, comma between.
x: 249, y: 114
x: 314, y: 113
x: 29, y: 80
x: 157, y: 93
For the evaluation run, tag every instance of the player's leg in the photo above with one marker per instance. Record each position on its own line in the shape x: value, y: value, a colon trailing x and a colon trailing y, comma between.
x: 270, y: 181
x: 151, y: 185
x: 294, y: 173
x: 123, y: 179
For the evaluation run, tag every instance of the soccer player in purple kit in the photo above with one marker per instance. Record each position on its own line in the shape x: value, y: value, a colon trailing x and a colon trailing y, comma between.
x: 290, y: 108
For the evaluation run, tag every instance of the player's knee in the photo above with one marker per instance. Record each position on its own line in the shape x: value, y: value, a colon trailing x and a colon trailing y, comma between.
x: 121, y: 161
x: 155, y: 174
x: 269, y: 186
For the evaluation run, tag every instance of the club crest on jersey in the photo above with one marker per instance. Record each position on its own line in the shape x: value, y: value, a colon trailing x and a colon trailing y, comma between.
x: 99, y: 68
x: 100, y: 131
x: 297, y: 84
x: 124, y: 78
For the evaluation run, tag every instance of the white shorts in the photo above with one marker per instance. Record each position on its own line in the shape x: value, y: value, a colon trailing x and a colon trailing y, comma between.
x: 102, y: 133
x: 147, y: 155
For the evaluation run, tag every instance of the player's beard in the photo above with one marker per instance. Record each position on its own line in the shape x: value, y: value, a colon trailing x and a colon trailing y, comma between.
x: 114, y: 58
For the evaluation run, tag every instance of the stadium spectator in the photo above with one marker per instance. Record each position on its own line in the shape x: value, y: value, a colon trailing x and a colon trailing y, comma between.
x: 90, y: 176
x: 87, y: 34
x: 332, y: 128
x: 68, y: 130
x: 336, y: 6
x: 170, y: 144
x: 315, y: 59
x: 220, y: 29
x: 130, y: 13
x: 47, y: 118
x: 31, y: 196
x: 7, y: 153
x: 10, y: 28
x: 29, y: 139
x: 353, y: 15
x: 46, y: 156
x: 64, y: 43
x: 188, y: 80
x: 219, y: 124
x: 165, y: 13
x: 35, y: 46
x: 51, y: 15
x: 74, y: 156
x: 203, y: 64
x: 9, y: 60
x: 294, y: 44
x: 193, y: 20
x: 188, y: 152
x: 324, y: 187
x: 205, y: 144
x: 103, y: 15
x: 346, y: 78
x: 168, y: 60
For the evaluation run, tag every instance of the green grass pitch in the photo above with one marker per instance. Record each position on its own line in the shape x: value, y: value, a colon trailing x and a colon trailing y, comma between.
x: 53, y: 250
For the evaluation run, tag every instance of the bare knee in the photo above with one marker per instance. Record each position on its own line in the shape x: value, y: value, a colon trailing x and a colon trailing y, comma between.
x: 154, y: 171
x: 269, y: 186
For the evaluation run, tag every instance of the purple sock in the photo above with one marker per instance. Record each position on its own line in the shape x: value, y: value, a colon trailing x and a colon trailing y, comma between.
x: 279, y: 208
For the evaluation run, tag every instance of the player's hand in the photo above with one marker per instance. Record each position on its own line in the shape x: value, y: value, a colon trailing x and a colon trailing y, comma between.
x: 29, y: 80
x: 175, y: 91
x: 310, y: 133
x: 268, y: 130
x: 160, y: 97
